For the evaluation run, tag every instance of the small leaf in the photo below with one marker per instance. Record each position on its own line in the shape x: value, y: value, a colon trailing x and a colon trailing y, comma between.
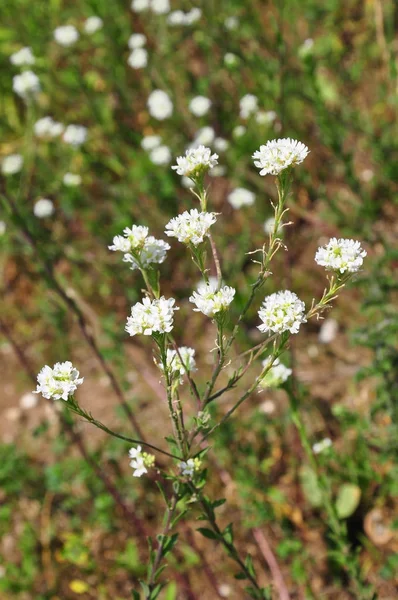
x: 208, y: 533
x: 310, y: 486
x: 228, y: 534
x: 348, y: 499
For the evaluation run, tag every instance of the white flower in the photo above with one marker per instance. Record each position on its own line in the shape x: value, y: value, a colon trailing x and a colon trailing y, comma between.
x: 203, y: 286
x: 26, y: 84
x: 248, y: 105
x: 195, y: 162
x: 282, y: 311
x: 220, y: 144
x: 241, y: 197
x: 191, y: 227
x: 11, y: 164
x: 322, y: 445
x: 306, y: 48
x: 277, y: 374
x: 231, y: 23
x: 75, y: 135
x: 133, y: 240
x: 160, y: 7
x: 177, y: 17
x: 149, y: 142
x: 136, y: 40
x: 230, y: 59
x: 218, y: 171
x: 278, y: 155
x: 267, y: 117
x: 140, y: 461
x: 177, y: 366
x: 71, y: 179
x: 23, y: 57
x: 59, y: 382
x: 43, y: 208
x: 3, y: 228
x: 66, y: 35
x: 160, y: 155
x: 238, y: 131
x: 139, y: 5
x: 93, y: 24
x: 151, y: 316
x: 159, y: 105
x: 47, y: 127
x: 138, y: 59
x: 199, y: 106
x: 210, y: 302
x: 204, y: 136
x: 328, y: 331
x: 153, y: 251
x: 192, y: 16
x: 187, y: 468
x: 341, y: 255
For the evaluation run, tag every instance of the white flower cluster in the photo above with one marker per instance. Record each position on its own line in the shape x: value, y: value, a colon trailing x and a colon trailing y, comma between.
x: 181, y: 366
x: 205, y: 136
x: 195, y: 162
x: 159, y: 105
x: 26, y: 84
x: 210, y: 302
x: 43, y: 208
x: 277, y: 155
x: 46, y: 127
x: 151, y: 316
x: 179, y: 17
x: 12, y: 164
x: 191, y: 227
x: 66, y: 35
x: 140, y: 461
x: 241, y: 197
x: 58, y: 382
x: 71, y: 179
x: 343, y: 255
x: 159, y: 7
x: 23, y: 57
x: 282, y: 311
x: 248, y: 105
x: 276, y: 376
x: 200, y: 106
x: 319, y: 447
x: 75, y: 135
x: 139, y: 249
x: 138, y: 58
x: 188, y: 468
x: 93, y: 24
x: 159, y: 153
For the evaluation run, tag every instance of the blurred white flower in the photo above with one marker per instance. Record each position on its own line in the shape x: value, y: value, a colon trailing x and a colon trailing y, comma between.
x: 23, y: 57
x: 278, y: 155
x: 199, y: 106
x: 71, y: 179
x: 211, y: 302
x: 93, y: 24
x: 138, y: 59
x: 177, y: 17
x: 140, y: 5
x: 47, y: 127
x: 204, y: 136
x: 343, y: 255
x: 58, y: 382
x: 160, y: 7
x: 248, y: 105
x: 191, y: 227
x: 192, y: 16
x: 220, y: 144
x: 188, y: 468
x: 3, y: 228
x: 276, y: 376
x: 149, y: 142
x: 218, y: 171
x: 151, y: 316
x: 367, y: 175
x: 282, y: 311
x: 306, y: 48
x: 11, y: 164
x: 66, y: 35
x: 186, y: 182
x: 75, y: 135
x: 230, y: 59
x: 328, y: 331
x: 195, y: 162
x: 136, y: 40
x: 241, y: 197
x: 160, y: 155
x: 231, y: 23
x: 159, y: 105
x: 269, y: 227
x: 26, y: 84
x: 265, y: 117
x: 322, y: 445
x: 238, y: 131
x: 43, y: 208
x: 28, y: 401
